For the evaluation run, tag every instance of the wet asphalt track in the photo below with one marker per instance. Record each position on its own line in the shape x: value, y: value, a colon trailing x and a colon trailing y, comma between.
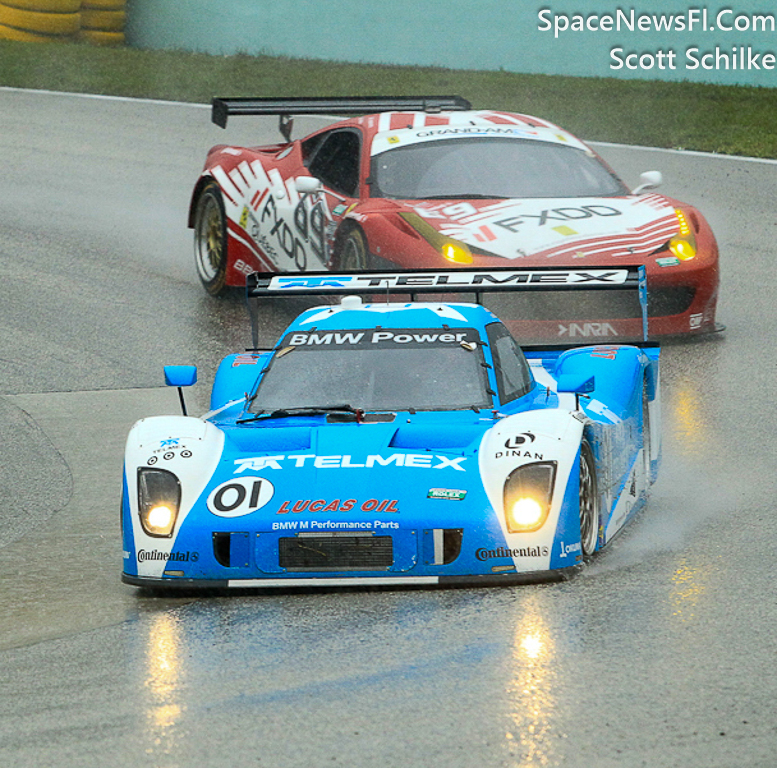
x: 661, y: 652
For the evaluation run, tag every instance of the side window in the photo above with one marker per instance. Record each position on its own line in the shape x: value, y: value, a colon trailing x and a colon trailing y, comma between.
x: 309, y: 147
x: 335, y: 160
x: 513, y: 375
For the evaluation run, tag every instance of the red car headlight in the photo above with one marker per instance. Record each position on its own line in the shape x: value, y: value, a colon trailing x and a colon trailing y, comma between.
x: 683, y: 244
x: 449, y: 248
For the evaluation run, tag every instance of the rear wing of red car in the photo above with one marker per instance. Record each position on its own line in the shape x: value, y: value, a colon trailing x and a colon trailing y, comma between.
x: 479, y: 285
x: 221, y: 109
x: 356, y: 105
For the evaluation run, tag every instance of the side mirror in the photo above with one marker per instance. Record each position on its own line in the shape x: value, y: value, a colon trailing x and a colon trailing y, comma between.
x: 307, y: 185
x: 649, y: 180
x: 181, y: 376
x: 579, y: 383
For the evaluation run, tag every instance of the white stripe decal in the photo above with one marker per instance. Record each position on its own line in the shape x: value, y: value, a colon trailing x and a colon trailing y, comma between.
x: 276, y: 180
x: 438, y: 546
x: 239, y: 181
x: 260, y: 256
x: 247, y: 172
x: 260, y: 173
x: 226, y: 184
x: 384, y: 121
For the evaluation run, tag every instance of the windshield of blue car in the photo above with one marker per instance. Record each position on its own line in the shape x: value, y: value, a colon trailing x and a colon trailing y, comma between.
x: 376, y: 369
x: 486, y: 167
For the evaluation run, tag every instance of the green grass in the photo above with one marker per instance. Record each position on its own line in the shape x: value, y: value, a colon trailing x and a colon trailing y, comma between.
x: 711, y: 118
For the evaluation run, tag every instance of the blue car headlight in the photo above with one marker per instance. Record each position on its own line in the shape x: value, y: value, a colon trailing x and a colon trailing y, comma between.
x: 528, y: 494
x: 159, y: 499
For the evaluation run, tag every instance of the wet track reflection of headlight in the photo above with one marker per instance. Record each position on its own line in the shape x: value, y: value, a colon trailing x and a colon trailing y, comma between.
x: 691, y: 432
x: 163, y: 681
x: 532, y: 646
x: 532, y: 690
x: 688, y: 585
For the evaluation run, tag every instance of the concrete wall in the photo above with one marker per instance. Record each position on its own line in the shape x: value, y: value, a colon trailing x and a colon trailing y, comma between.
x: 477, y: 34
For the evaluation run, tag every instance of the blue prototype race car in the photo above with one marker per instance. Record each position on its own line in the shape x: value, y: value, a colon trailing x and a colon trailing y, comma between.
x: 393, y: 443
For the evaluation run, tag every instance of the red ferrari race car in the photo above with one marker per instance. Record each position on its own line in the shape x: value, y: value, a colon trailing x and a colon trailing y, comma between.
x: 429, y: 183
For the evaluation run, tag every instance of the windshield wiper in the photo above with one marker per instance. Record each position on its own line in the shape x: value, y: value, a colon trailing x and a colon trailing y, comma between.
x: 305, y: 410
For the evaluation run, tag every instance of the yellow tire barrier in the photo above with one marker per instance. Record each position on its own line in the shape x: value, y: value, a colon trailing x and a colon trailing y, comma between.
x: 46, y: 6
x: 98, y: 37
x: 44, y: 23
x: 105, y: 21
x: 101, y: 5
x: 22, y: 36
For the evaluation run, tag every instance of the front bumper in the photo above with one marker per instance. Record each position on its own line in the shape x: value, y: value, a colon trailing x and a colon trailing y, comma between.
x: 349, y: 582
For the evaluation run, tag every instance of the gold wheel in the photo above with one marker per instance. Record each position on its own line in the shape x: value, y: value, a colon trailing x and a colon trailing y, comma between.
x: 353, y: 254
x: 210, y: 240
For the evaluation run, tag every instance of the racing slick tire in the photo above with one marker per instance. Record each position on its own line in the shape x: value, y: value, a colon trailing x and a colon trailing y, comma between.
x: 22, y: 36
x: 589, y: 501
x: 104, y: 21
x: 46, y: 6
x: 103, y: 5
x: 210, y: 239
x: 100, y: 37
x: 354, y: 254
x: 39, y: 22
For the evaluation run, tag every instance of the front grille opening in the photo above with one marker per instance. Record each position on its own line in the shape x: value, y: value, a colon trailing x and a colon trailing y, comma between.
x: 451, y: 544
x: 336, y: 553
x: 442, y: 545
x: 221, y: 548
x: 231, y: 549
x: 671, y: 300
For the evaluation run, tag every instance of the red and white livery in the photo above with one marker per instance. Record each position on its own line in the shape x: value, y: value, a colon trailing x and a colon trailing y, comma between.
x: 429, y: 183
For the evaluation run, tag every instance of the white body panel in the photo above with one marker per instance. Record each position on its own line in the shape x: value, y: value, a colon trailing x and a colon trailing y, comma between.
x: 188, y: 447
x: 523, y: 439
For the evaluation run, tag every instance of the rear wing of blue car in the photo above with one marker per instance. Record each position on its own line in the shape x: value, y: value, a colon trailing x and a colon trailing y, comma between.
x: 496, y: 288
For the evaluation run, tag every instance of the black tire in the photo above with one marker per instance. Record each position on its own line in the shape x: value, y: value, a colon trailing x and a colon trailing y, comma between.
x: 589, y: 501
x: 210, y: 240
x: 354, y: 254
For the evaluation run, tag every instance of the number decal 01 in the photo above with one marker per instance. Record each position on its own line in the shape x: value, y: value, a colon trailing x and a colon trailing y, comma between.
x: 240, y: 496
